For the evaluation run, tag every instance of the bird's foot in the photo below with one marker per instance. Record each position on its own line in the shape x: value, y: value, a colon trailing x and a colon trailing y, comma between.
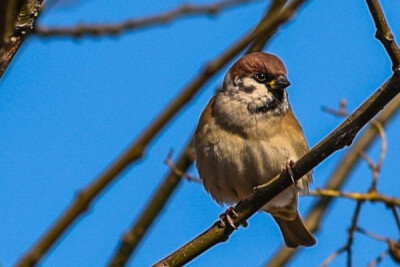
x: 289, y: 165
x: 229, y: 215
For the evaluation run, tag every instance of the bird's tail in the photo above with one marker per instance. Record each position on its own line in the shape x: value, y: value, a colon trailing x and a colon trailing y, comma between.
x: 295, y: 233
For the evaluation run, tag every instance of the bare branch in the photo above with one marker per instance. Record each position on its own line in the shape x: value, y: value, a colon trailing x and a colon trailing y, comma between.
x: 384, y: 34
x: 394, y: 247
x: 372, y: 235
x: 376, y: 167
x: 396, y: 217
x: 180, y: 173
x: 333, y: 256
x: 372, y: 196
x: 342, y: 170
x: 378, y: 259
x: 352, y: 230
x: 23, y: 25
x: 339, y: 138
x: 342, y: 112
x: 348, y: 162
x: 132, y: 238
x: 258, y: 44
x: 140, y: 23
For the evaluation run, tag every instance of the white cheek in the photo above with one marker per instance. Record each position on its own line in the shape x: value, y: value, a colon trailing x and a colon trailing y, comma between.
x: 260, y: 92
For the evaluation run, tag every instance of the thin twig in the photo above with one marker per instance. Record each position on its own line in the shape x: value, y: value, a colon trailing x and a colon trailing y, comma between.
x: 384, y: 34
x: 353, y: 228
x: 333, y: 256
x: 394, y: 247
x: 378, y: 259
x: 376, y: 167
x: 180, y: 173
x: 134, y: 235
x: 342, y: 112
x: 372, y: 235
x: 184, y: 10
x: 396, y: 216
x: 371, y: 196
x: 384, y: 146
x: 137, y: 149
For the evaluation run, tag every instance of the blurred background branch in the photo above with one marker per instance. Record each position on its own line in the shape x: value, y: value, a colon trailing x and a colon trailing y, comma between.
x: 186, y: 10
x: 134, y: 235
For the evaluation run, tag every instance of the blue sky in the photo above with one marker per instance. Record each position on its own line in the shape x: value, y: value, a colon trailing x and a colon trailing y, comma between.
x: 69, y: 107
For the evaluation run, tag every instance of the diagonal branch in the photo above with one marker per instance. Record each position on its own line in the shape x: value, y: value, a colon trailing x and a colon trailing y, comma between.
x: 22, y: 27
x: 341, y: 137
x: 384, y: 34
x: 185, y: 10
x: 132, y: 238
x: 372, y: 196
x: 337, y: 180
x: 258, y: 44
x: 350, y: 160
x: 338, y: 139
x: 137, y: 149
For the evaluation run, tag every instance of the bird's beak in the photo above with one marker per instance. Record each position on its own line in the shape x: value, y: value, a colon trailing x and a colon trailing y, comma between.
x: 280, y: 83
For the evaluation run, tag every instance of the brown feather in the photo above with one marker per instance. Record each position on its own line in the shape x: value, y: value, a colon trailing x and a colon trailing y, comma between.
x: 295, y: 233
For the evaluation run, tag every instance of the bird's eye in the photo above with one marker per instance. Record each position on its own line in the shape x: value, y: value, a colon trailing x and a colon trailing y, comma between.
x: 260, y: 77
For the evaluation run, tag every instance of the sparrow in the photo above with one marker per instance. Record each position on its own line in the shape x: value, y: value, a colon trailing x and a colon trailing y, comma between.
x: 248, y: 134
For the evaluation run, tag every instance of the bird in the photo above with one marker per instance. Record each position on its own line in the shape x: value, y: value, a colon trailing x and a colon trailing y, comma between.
x: 248, y: 134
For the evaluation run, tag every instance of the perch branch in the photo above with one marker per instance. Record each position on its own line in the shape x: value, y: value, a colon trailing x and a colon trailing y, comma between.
x: 338, y: 139
x: 351, y: 159
x: 342, y: 170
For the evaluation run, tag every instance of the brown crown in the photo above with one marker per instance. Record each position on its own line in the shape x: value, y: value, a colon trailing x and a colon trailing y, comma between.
x: 258, y: 62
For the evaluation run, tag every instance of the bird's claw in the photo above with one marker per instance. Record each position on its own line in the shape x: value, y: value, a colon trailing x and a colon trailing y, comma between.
x: 289, y: 170
x: 228, y: 216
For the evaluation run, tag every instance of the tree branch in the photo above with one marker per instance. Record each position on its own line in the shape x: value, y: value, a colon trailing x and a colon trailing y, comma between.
x: 137, y: 149
x: 132, y: 238
x: 258, y: 44
x: 22, y: 27
x: 338, y: 139
x: 371, y: 196
x: 141, y: 23
x: 348, y: 162
x: 342, y: 170
x: 384, y: 34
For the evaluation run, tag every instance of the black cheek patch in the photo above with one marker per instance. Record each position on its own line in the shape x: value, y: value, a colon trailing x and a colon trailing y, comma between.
x: 279, y: 94
x: 248, y: 89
